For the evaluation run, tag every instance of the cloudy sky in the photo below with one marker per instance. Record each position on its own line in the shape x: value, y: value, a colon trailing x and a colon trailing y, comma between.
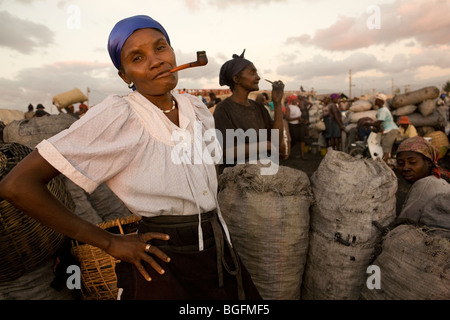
x: 50, y: 46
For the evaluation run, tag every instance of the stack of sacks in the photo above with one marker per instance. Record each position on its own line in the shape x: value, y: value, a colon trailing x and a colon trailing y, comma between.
x: 359, y: 109
x: 315, y: 119
x: 420, y: 107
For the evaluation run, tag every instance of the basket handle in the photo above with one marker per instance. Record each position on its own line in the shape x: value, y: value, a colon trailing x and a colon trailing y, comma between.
x: 119, y: 225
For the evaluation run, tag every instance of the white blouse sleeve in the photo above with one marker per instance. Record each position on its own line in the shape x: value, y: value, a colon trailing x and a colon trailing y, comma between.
x: 97, y: 146
x: 421, y: 192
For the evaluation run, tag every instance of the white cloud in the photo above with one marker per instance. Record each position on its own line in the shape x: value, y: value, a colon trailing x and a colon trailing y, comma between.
x: 23, y: 35
x: 422, y: 20
x: 199, y: 4
x: 40, y: 84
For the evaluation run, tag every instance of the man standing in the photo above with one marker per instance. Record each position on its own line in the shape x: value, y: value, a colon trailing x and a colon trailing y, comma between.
x: 30, y: 113
x: 243, y: 116
x: 386, y: 125
x: 333, y: 122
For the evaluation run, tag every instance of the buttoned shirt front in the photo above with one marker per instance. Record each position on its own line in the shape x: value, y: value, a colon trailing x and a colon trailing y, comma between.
x: 128, y: 143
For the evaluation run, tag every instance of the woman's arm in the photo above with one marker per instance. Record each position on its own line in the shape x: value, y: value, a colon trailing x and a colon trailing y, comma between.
x: 26, y: 188
x: 277, y: 96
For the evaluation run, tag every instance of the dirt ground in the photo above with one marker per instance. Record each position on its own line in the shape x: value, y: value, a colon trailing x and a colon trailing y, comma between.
x: 312, y: 162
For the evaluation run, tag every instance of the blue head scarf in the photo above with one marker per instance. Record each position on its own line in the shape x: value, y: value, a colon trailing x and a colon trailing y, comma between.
x: 124, y: 28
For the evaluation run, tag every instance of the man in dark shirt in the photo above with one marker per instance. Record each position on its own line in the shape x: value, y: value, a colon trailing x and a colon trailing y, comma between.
x: 245, y: 124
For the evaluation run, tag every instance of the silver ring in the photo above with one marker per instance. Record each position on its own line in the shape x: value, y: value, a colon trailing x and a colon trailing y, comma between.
x: 147, y: 247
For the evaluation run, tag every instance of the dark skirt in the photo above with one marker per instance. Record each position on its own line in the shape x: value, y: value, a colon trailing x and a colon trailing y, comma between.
x: 298, y: 132
x: 216, y: 273
x: 332, y: 128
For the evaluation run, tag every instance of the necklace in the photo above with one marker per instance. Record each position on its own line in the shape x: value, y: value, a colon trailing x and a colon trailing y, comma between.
x: 174, y: 104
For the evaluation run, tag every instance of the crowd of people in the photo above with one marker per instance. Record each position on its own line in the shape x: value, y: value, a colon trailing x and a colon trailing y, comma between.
x: 335, y: 117
x: 183, y: 249
x: 70, y: 109
x: 40, y: 112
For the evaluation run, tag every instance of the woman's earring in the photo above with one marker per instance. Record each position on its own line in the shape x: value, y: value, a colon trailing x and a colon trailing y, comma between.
x: 131, y: 85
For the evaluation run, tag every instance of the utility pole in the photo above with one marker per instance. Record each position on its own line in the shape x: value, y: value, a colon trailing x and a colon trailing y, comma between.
x: 350, y: 84
x: 392, y: 87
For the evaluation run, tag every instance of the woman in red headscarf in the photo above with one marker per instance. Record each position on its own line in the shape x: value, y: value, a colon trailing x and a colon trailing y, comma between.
x: 417, y: 163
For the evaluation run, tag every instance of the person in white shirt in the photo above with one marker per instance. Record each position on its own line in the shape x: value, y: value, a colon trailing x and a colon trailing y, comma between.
x: 148, y: 148
x: 386, y: 125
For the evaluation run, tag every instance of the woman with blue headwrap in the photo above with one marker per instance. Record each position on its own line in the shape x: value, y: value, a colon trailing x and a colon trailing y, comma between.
x: 143, y: 146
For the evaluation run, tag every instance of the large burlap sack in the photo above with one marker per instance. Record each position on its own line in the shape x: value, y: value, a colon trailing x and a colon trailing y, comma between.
x: 7, y: 115
x: 83, y: 207
x: 414, y: 265
x: 415, y: 97
x: 354, y: 201
x: 318, y: 126
x: 427, y: 107
x: 444, y: 111
x: 32, y: 131
x: 67, y: 98
x: 314, y: 113
x: 35, y: 285
x: 268, y: 219
x: 433, y: 120
x: 423, y: 131
x: 351, y: 127
x: 107, y: 205
x: 404, y: 111
x: 360, y: 105
x: 355, y: 116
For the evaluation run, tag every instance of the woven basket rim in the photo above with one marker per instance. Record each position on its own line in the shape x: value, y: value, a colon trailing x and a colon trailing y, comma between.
x: 119, y: 221
x: 108, y: 224
x: 97, y: 266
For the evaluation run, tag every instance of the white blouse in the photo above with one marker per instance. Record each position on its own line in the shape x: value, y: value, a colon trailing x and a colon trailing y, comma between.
x: 153, y: 166
x: 294, y: 113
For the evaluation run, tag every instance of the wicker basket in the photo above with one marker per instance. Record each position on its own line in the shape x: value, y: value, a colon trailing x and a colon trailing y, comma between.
x: 440, y: 141
x: 25, y: 243
x: 99, y: 280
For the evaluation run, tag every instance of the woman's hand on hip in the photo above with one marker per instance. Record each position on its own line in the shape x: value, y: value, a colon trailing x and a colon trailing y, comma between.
x: 135, y: 248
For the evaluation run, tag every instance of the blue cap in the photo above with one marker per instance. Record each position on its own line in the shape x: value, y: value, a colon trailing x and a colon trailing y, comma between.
x: 124, y: 28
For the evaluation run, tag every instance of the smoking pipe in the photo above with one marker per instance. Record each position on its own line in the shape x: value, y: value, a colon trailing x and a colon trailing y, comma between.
x: 202, y: 60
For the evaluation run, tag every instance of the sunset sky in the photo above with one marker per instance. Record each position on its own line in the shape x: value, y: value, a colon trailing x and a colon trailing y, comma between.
x: 49, y: 47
